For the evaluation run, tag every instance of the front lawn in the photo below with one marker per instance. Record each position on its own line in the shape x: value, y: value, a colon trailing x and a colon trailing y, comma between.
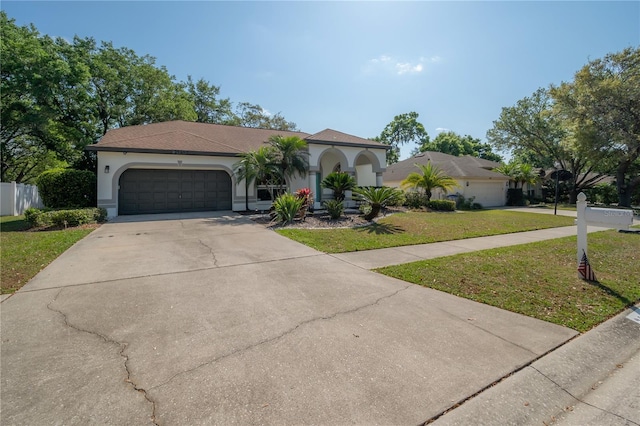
x: 540, y: 279
x: 24, y: 253
x: 410, y: 228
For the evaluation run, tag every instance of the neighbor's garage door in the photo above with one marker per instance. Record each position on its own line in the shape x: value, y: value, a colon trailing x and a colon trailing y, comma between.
x: 171, y: 191
x: 489, y: 194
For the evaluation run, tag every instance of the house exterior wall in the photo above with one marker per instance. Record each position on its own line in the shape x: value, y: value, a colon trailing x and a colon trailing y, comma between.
x: 118, y: 162
x: 488, y: 192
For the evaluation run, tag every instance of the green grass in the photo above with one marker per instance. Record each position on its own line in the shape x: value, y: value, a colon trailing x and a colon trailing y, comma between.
x: 24, y: 253
x: 403, y: 229
x: 540, y: 279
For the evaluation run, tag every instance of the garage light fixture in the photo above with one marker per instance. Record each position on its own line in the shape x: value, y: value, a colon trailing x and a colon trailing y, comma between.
x: 106, y: 169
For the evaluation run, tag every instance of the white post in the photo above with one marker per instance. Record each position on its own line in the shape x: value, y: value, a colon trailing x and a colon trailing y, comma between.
x: 582, y: 226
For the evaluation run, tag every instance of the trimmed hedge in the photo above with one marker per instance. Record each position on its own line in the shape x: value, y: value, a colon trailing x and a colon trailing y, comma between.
x: 442, y: 205
x: 67, y: 188
x: 415, y: 200
x: 63, y: 218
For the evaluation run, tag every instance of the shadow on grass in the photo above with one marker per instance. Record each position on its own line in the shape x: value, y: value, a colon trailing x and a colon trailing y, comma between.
x: 627, y: 302
x: 14, y: 225
x: 381, y: 229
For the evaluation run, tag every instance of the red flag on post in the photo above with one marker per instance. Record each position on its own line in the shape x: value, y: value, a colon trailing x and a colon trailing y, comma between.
x: 584, y: 269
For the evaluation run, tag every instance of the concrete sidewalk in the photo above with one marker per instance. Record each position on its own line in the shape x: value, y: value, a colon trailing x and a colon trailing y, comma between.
x: 372, y: 259
x: 592, y: 380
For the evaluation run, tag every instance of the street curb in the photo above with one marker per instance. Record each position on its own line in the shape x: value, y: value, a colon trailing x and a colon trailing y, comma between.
x: 542, y: 391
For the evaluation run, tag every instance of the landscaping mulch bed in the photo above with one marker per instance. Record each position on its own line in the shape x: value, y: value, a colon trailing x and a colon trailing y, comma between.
x: 321, y: 220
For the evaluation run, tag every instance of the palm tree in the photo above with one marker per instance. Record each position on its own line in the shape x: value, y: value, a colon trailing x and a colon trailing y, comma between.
x: 431, y: 178
x: 526, y: 174
x: 339, y: 182
x: 291, y: 155
x: 377, y: 198
x: 510, y: 170
x: 259, y: 166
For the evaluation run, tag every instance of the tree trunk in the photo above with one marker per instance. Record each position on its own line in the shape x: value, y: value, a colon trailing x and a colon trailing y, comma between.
x: 375, y: 211
x: 573, y: 195
x: 625, y: 189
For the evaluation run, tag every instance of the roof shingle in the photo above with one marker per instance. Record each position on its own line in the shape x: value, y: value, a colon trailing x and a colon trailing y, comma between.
x: 207, y: 139
x: 456, y: 167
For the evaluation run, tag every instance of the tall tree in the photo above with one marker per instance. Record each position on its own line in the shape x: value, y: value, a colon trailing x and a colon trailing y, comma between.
x: 209, y: 108
x: 533, y: 124
x: 452, y: 143
x: 253, y: 115
x: 40, y: 91
x: 603, y: 101
x: 404, y: 129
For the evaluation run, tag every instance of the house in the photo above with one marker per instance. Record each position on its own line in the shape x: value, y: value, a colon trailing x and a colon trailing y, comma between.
x: 474, y: 176
x: 180, y: 166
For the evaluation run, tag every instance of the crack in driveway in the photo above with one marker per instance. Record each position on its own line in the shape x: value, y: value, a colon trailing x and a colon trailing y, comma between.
x: 278, y: 337
x: 211, y: 252
x: 121, y: 345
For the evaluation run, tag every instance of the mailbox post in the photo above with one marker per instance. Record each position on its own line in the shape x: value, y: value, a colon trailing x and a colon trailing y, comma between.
x: 607, y: 218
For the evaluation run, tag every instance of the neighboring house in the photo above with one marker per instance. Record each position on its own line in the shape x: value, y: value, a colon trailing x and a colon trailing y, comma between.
x: 180, y: 166
x: 474, y: 176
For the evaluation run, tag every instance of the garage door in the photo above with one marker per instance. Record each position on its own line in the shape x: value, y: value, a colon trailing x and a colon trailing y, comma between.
x: 489, y: 194
x: 172, y: 191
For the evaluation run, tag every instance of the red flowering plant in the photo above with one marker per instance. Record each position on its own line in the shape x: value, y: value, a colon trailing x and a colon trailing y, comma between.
x: 306, y: 196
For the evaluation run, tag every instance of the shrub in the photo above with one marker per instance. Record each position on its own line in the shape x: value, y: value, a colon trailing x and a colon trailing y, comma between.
x: 67, y: 188
x: 467, y: 203
x: 286, y: 207
x: 604, y: 193
x: 442, y: 205
x: 415, y: 200
x: 306, y: 196
x: 515, y: 197
x: 63, y: 218
x: 34, y: 217
x: 335, y: 208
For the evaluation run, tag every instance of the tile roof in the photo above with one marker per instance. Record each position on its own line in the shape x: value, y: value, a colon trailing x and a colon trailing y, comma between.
x: 456, y: 167
x: 206, y: 139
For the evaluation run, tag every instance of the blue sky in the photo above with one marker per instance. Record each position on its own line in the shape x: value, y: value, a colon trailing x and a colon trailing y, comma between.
x: 353, y: 66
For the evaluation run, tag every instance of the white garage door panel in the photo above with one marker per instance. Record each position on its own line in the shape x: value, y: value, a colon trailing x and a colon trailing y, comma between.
x: 489, y: 194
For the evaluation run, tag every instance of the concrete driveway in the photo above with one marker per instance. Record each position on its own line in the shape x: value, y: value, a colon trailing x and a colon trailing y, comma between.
x: 213, y: 319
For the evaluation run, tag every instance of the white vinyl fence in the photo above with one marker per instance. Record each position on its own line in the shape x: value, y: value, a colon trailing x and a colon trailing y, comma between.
x: 15, y: 198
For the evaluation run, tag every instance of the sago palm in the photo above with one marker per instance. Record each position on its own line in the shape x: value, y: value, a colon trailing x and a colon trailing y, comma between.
x: 432, y: 177
x: 339, y: 183
x: 376, y: 198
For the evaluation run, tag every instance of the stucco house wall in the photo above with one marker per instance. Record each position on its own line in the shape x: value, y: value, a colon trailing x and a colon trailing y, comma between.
x: 185, y: 146
x: 474, y: 176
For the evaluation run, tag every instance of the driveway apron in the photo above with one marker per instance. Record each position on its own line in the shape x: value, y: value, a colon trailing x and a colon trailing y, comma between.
x: 213, y: 319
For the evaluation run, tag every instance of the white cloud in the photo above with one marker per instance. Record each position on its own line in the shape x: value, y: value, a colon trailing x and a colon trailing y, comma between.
x: 399, y: 67
x: 408, y: 68
x: 442, y: 129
